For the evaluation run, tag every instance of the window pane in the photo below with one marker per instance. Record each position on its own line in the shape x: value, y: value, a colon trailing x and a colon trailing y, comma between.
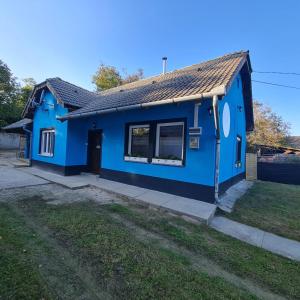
x: 239, y: 149
x: 45, y: 142
x: 140, y: 141
x: 51, y: 143
x: 171, y: 142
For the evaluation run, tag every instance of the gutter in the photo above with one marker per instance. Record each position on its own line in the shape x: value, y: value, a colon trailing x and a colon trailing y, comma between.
x: 219, y: 91
x: 30, y: 144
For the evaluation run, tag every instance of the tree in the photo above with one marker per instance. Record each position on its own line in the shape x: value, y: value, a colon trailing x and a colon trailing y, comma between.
x: 133, y: 77
x: 108, y: 77
x: 24, y: 93
x: 13, y: 97
x: 8, y: 95
x: 269, y: 128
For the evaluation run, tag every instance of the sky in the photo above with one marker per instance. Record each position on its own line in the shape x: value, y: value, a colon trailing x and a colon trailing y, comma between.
x: 70, y: 39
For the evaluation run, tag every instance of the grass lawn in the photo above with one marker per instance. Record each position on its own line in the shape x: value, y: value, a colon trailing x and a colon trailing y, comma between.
x: 91, y: 251
x: 273, y: 207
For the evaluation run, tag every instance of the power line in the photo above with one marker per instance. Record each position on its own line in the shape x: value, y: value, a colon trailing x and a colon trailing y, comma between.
x: 277, y: 84
x: 274, y: 72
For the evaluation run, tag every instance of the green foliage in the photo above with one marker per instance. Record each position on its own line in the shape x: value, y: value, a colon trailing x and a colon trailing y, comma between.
x: 24, y: 93
x: 12, y: 96
x: 270, y: 129
x: 108, y: 77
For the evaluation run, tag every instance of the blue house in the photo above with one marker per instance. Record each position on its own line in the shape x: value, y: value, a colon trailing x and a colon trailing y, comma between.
x: 182, y: 132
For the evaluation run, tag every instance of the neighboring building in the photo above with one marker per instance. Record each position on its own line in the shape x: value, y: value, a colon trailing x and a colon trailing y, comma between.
x: 17, y: 136
x: 272, y: 150
x: 294, y: 141
x: 182, y: 132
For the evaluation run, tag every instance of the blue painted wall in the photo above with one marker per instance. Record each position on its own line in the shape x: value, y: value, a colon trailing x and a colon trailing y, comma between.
x: 237, y: 127
x: 71, y: 138
x: 199, y: 166
x: 45, y: 117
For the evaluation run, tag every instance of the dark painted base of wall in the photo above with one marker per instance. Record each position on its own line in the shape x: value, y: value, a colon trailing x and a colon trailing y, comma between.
x: 230, y: 182
x: 61, y: 170
x: 179, y: 188
x: 185, y: 189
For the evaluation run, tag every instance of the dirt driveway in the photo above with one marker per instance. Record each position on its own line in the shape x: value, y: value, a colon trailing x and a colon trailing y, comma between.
x: 11, y: 177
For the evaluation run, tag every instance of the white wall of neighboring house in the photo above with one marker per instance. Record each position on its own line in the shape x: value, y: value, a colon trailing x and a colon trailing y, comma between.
x: 9, y: 140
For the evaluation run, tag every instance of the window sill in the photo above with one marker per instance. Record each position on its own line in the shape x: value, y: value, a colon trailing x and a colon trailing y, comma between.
x: 136, y: 159
x: 46, y: 155
x: 167, y: 162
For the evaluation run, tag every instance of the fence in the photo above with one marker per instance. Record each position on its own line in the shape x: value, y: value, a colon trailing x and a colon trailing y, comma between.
x: 251, y: 166
x: 279, y: 168
x: 9, y: 140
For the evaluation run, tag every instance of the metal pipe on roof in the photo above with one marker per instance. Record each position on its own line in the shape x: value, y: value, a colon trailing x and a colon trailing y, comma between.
x: 164, y: 59
x: 218, y: 91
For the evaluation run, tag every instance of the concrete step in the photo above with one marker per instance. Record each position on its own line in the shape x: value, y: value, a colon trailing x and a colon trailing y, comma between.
x: 228, y: 200
x: 185, y: 207
x: 71, y: 182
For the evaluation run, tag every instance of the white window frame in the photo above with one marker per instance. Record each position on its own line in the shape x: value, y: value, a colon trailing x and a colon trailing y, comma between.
x: 45, y: 134
x: 133, y: 158
x: 163, y: 161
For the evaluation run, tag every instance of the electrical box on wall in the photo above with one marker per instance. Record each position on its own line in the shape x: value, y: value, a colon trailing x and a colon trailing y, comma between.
x: 194, y: 142
x: 194, y: 137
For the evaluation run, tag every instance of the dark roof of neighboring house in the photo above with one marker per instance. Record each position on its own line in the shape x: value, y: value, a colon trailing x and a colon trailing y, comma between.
x: 294, y: 141
x: 202, y: 78
x: 284, y: 149
x: 17, y: 126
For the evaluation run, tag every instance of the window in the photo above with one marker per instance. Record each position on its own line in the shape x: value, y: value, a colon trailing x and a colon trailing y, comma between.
x: 238, y: 151
x: 47, y: 142
x: 169, y: 143
x: 138, y: 143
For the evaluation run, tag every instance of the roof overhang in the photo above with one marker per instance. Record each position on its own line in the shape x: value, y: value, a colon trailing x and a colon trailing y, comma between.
x: 218, y: 91
x: 17, y: 127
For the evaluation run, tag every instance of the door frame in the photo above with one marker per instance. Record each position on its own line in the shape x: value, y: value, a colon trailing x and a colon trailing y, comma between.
x: 90, y: 132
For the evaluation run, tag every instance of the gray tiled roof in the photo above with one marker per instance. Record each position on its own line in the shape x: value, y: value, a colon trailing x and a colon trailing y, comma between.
x: 192, y: 80
x: 18, y: 124
x: 71, y: 94
x: 65, y: 92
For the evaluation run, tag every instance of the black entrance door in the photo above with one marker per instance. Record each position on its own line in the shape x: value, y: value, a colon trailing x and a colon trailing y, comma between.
x: 94, y: 151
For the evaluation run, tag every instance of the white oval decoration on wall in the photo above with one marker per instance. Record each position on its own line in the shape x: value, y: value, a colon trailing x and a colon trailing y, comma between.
x: 226, y: 120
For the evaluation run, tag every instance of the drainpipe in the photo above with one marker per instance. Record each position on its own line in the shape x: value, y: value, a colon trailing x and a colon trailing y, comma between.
x: 218, y: 144
x: 30, y: 143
